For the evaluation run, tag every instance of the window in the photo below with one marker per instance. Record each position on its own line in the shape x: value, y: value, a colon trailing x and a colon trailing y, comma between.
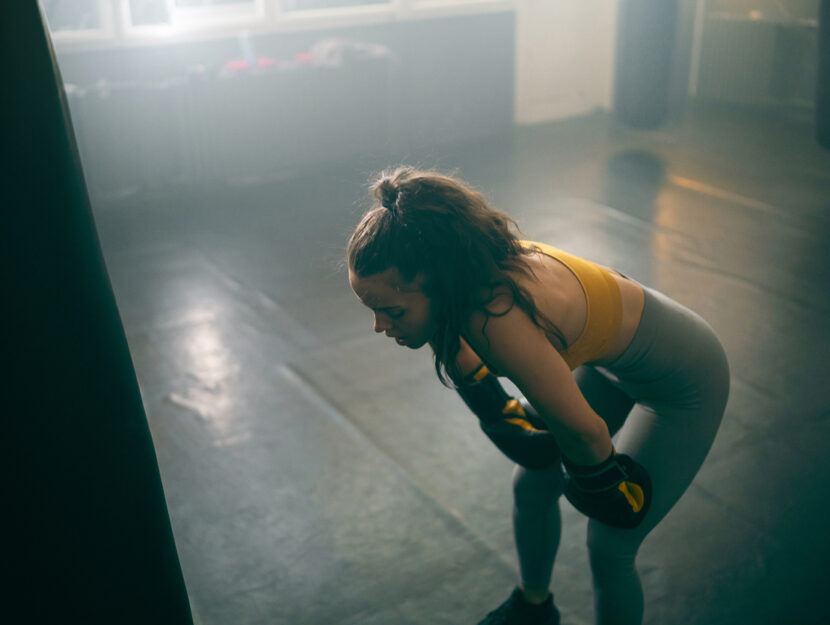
x: 191, y: 14
x: 315, y: 5
x: 72, y: 15
x: 147, y: 21
x: 207, y: 3
x: 77, y: 20
x: 149, y: 12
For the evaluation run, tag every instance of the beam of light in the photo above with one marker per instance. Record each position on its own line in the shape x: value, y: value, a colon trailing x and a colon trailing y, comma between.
x: 722, y: 194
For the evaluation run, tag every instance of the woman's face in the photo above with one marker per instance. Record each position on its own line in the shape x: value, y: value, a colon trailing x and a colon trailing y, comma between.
x: 401, y: 309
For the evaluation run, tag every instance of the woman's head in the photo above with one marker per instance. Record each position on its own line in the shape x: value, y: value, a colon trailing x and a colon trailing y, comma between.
x: 434, y: 236
x: 401, y: 309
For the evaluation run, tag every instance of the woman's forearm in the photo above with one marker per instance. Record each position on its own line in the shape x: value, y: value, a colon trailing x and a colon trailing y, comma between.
x: 587, y: 446
x: 468, y: 361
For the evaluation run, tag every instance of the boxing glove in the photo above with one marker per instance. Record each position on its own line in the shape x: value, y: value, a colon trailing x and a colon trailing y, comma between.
x: 513, y: 426
x: 616, y: 492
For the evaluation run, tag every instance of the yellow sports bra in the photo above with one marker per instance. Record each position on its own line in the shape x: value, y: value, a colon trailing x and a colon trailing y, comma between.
x: 604, y: 303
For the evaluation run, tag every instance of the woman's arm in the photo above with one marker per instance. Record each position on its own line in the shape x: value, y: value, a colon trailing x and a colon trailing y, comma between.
x: 519, y: 350
x: 467, y: 360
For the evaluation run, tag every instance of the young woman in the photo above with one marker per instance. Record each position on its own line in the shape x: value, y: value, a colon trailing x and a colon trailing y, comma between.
x: 594, y: 353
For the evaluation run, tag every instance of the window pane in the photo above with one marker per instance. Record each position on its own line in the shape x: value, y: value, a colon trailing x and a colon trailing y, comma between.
x: 149, y: 12
x: 308, y: 5
x: 770, y: 10
x: 208, y: 3
x: 64, y: 15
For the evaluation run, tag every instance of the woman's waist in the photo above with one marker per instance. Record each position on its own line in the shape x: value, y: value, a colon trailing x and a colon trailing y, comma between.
x: 612, y: 317
x: 632, y: 302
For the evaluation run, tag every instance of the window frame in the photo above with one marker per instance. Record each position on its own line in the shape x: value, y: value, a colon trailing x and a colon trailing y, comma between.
x: 105, y: 33
x: 189, y: 21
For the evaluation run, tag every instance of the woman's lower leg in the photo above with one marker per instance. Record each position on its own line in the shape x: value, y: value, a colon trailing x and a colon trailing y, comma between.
x: 537, y: 526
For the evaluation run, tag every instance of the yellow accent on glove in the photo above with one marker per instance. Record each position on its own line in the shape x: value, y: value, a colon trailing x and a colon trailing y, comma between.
x: 634, y: 494
x: 524, y: 425
x: 513, y: 407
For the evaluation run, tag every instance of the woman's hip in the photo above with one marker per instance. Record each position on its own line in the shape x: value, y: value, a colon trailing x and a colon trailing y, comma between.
x: 675, y: 356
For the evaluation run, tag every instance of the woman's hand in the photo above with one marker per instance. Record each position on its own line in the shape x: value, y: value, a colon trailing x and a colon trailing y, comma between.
x: 616, y: 492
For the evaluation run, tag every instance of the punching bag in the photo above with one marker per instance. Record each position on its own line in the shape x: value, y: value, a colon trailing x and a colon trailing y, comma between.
x: 823, y: 79
x: 643, y: 61
x: 87, y: 537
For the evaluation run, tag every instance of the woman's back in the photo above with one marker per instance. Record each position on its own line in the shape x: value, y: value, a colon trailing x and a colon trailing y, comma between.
x: 561, y: 298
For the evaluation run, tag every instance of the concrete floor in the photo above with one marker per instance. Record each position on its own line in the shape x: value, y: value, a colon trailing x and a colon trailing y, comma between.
x: 318, y: 474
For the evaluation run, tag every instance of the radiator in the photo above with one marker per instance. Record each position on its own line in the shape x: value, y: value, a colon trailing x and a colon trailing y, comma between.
x: 758, y: 63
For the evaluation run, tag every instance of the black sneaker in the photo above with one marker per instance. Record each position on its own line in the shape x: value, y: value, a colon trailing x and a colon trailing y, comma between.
x: 519, y: 611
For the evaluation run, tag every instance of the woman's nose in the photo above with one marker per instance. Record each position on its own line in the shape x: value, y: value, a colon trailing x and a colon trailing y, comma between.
x: 382, y: 323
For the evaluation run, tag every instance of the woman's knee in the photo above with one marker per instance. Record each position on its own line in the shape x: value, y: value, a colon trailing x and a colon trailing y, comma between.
x: 611, y: 549
x: 537, y: 487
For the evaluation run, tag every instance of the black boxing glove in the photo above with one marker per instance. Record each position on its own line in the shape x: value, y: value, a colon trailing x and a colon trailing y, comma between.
x: 616, y: 492
x: 514, y: 427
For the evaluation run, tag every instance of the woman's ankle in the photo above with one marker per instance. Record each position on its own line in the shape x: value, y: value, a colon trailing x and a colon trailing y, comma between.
x: 534, y: 595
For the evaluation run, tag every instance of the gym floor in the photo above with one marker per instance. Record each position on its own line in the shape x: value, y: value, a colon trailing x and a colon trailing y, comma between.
x: 317, y: 473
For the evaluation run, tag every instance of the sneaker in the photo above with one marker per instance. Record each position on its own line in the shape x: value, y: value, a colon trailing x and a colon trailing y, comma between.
x: 519, y: 611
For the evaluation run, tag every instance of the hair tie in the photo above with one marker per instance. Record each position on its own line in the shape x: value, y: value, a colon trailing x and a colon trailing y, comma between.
x: 390, y: 200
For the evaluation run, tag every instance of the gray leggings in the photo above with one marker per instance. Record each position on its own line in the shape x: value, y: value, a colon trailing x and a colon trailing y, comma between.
x: 663, y: 399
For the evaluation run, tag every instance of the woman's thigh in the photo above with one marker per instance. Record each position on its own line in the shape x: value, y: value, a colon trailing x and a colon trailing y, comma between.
x: 677, y: 374
x: 607, y: 399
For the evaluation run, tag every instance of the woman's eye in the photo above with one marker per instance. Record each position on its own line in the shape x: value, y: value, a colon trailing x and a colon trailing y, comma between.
x: 396, y: 314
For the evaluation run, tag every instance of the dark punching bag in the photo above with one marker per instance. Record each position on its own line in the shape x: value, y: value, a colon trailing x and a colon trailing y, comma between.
x: 86, y: 533
x: 643, y: 61
x: 823, y: 82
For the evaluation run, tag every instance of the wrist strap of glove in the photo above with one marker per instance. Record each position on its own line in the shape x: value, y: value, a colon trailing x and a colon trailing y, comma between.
x: 476, y: 376
x: 597, y: 477
x: 486, y: 397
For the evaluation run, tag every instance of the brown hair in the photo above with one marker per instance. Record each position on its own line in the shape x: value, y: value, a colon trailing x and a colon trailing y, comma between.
x: 428, y: 224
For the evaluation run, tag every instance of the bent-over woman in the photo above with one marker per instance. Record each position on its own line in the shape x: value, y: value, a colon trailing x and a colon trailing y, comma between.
x: 594, y: 353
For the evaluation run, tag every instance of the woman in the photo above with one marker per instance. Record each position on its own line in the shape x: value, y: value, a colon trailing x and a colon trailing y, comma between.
x: 594, y: 353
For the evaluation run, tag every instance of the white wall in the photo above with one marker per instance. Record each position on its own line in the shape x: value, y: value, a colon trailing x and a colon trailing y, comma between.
x: 564, y: 58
